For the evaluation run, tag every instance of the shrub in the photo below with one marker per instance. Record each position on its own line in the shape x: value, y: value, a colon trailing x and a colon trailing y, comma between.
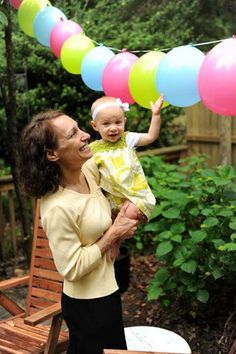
x: 192, y: 229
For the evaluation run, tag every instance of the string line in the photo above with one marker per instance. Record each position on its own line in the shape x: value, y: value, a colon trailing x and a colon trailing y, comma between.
x: 157, y: 49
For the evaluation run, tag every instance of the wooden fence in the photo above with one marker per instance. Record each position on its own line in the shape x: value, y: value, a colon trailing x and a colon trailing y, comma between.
x: 211, y: 134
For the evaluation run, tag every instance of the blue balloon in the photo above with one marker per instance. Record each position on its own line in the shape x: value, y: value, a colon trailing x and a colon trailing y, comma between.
x: 44, y: 22
x: 177, y: 75
x: 93, y: 65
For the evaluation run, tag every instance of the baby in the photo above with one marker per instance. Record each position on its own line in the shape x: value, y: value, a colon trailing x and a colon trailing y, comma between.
x: 122, y: 176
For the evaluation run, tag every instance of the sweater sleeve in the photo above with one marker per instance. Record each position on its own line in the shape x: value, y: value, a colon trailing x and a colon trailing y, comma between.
x: 72, y: 259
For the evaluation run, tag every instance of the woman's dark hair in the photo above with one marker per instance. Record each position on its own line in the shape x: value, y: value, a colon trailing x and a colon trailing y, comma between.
x: 39, y: 175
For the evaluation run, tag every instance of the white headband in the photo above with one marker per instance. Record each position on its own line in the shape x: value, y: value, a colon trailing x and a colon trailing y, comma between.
x: 116, y: 103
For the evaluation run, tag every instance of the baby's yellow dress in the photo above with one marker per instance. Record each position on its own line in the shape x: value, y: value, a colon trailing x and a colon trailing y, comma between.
x: 122, y: 176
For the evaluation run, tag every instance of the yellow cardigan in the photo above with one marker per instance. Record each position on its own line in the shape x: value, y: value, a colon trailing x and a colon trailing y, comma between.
x: 73, y: 223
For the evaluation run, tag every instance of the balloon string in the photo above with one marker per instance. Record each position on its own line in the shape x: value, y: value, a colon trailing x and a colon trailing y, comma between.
x: 205, y: 43
x: 161, y: 50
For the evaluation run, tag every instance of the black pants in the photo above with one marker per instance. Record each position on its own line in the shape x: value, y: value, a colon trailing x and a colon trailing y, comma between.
x: 94, y: 324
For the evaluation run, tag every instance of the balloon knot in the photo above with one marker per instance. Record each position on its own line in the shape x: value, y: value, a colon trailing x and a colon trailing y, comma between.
x: 124, y: 50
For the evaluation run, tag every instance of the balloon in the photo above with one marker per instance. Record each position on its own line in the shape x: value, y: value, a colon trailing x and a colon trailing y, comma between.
x: 73, y: 51
x: 116, y: 75
x: 44, y: 22
x: 93, y: 65
x: 60, y: 32
x: 15, y: 3
x: 217, y: 79
x: 177, y: 75
x: 27, y: 12
x: 142, y: 79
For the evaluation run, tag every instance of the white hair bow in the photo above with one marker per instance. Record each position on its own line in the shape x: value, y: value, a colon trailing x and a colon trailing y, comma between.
x: 121, y: 104
x: 116, y: 103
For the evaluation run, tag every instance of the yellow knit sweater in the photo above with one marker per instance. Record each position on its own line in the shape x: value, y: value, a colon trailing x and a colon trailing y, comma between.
x: 73, y: 223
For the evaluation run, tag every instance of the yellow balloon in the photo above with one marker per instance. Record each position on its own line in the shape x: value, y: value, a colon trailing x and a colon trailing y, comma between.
x: 26, y: 13
x: 73, y: 52
x: 142, y: 79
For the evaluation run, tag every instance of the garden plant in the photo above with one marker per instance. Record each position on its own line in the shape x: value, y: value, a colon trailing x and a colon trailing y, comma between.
x: 192, y: 230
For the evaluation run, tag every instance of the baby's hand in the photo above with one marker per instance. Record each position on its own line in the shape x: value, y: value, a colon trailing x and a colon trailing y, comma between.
x: 156, y: 107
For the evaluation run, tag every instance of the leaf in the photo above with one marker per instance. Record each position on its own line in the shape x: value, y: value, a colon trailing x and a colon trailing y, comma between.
x: 233, y: 237
x: 171, y: 213
x: 177, y: 197
x: 210, y: 190
x: 164, y: 248
x: 198, y: 235
x: 178, y: 228
x: 189, y: 266
x: 176, y: 238
x: 165, y: 235
x: 192, y: 288
x: 211, y: 221
x: 217, y: 273
x: 162, y: 275
x: 178, y: 262
x: 218, y: 242
x: 157, y: 211
x: 186, y: 279
x: 152, y: 226
x: 194, y: 211
x: 230, y: 246
x: 207, y: 212
x: 3, y: 18
x: 154, y: 292
x: 225, y: 212
x: 232, y: 225
x: 202, y: 296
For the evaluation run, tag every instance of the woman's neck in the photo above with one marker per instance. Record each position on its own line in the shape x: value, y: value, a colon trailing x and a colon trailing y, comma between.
x: 75, y: 181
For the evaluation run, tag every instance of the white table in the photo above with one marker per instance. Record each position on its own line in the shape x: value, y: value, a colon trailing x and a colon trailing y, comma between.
x: 155, y: 339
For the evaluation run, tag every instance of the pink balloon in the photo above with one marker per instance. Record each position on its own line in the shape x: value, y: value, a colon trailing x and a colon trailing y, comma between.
x: 217, y: 78
x: 15, y: 3
x: 115, y: 79
x: 60, y: 32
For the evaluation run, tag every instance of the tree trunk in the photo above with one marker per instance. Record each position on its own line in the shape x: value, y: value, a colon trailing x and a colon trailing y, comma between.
x: 10, y: 109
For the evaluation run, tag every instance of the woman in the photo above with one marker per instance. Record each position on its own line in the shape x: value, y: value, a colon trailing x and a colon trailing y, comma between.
x: 77, y: 219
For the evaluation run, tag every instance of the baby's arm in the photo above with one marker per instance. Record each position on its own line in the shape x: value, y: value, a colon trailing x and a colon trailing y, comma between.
x: 154, y: 128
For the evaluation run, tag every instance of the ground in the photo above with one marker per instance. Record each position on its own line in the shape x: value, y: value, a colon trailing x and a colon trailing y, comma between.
x: 212, y: 333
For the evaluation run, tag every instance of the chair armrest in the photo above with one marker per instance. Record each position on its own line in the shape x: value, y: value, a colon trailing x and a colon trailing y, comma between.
x: 10, y: 283
x: 43, y: 315
x: 119, y: 351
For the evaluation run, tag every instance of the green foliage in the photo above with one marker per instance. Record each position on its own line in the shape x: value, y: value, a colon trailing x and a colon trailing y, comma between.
x: 193, y: 228
x: 42, y: 83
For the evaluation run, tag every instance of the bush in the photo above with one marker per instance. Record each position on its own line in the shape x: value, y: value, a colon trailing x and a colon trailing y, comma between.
x: 193, y: 228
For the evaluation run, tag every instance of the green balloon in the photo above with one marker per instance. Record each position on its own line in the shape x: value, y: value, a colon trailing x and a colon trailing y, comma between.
x: 142, y: 76
x: 27, y: 12
x: 73, y: 52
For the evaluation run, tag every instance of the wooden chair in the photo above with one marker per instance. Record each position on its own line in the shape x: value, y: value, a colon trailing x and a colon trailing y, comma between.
x: 24, y: 332
x: 118, y: 351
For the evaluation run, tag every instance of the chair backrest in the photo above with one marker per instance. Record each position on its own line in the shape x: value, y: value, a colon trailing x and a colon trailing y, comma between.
x: 45, y: 284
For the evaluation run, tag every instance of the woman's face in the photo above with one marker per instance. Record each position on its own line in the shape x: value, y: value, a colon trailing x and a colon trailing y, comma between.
x: 73, y: 149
